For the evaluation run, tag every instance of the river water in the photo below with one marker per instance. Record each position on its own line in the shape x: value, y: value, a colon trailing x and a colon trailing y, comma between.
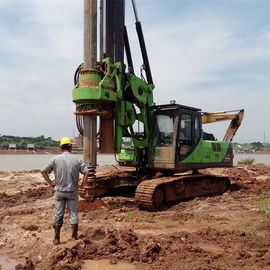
x: 27, y: 162
x: 11, y: 162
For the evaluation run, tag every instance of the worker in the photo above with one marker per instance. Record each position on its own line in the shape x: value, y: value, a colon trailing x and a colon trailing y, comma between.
x: 66, y: 167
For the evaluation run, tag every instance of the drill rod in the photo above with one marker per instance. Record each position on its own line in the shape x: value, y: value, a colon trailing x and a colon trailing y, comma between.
x: 90, y: 61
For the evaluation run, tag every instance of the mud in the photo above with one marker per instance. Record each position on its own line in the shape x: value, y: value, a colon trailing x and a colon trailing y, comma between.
x: 22, y: 197
x: 106, y: 265
x: 229, y: 231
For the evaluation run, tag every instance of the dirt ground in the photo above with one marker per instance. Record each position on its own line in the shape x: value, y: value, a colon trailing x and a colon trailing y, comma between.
x: 228, y: 231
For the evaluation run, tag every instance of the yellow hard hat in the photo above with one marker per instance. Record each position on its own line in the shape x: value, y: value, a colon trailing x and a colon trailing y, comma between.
x: 65, y: 140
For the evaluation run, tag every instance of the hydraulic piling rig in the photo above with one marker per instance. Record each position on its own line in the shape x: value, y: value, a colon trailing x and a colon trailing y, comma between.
x: 171, y: 140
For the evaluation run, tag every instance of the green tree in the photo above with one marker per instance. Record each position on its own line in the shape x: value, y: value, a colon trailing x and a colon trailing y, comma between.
x: 257, y: 146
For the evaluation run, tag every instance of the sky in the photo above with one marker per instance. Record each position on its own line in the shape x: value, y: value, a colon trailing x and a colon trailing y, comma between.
x: 209, y: 54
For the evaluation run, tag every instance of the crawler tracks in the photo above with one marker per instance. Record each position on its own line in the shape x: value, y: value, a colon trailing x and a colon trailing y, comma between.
x: 151, y: 194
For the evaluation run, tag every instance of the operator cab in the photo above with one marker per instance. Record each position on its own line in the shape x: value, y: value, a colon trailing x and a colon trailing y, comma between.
x: 176, y: 130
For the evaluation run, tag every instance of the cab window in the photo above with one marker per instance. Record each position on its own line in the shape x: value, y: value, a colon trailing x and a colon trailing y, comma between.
x: 185, y: 136
x: 163, y: 130
x: 197, y: 131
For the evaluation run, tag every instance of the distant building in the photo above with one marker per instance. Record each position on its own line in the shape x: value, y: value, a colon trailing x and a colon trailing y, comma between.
x: 12, y: 146
x: 78, y: 141
x: 30, y: 147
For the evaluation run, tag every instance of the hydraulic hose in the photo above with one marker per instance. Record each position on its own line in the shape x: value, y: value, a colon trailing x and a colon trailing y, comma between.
x: 77, y: 74
x: 79, y: 120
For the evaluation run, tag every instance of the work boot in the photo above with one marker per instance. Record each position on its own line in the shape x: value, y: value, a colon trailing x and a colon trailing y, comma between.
x: 74, y: 231
x: 56, y: 239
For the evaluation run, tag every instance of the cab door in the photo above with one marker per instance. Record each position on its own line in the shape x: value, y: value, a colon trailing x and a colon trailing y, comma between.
x: 189, y: 133
x: 162, y: 142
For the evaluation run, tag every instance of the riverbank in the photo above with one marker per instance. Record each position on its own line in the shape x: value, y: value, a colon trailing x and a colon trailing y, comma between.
x: 258, y: 158
x: 37, y: 152
x: 264, y: 152
x: 80, y: 151
x: 23, y: 162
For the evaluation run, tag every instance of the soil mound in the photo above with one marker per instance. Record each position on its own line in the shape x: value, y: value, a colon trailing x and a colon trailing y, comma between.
x: 86, y: 206
x: 29, y: 195
x: 116, y: 246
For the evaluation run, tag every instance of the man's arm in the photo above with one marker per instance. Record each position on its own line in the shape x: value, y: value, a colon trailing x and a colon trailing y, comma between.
x: 47, y: 178
x: 85, y: 178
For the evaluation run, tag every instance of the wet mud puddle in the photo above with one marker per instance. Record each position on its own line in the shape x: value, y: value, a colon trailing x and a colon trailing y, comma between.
x: 7, y: 263
x: 105, y: 265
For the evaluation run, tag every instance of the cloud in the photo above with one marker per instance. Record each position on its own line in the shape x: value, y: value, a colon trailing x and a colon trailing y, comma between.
x: 37, y: 76
x: 207, y: 55
x: 214, y: 63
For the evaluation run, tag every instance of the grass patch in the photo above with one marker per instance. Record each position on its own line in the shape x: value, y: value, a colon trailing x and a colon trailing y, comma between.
x: 264, y: 203
x: 149, y: 217
x: 246, y: 161
x: 206, y: 217
x: 129, y: 217
x: 265, y: 207
x: 253, y: 232
x: 167, y: 226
